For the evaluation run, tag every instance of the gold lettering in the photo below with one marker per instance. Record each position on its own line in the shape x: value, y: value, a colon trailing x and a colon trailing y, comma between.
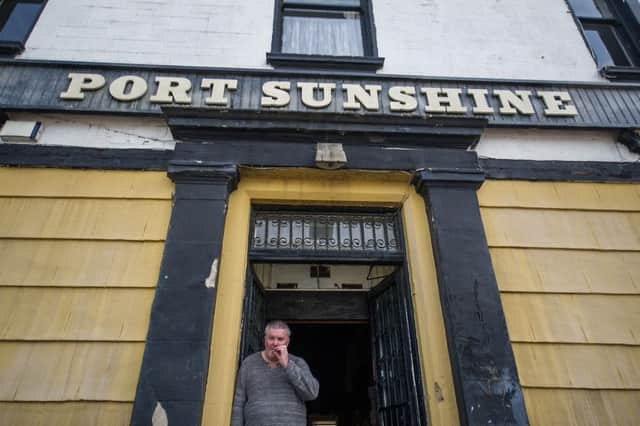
x: 443, y: 100
x: 137, y: 88
x: 172, y: 90
x: 307, y: 94
x: 218, y: 89
x: 557, y: 103
x: 403, y: 98
x: 276, y: 94
x: 358, y: 96
x: 80, y: 82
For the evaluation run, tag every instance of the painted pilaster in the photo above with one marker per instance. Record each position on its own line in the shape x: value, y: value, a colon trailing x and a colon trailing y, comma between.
x: 485, y: 376
x: 172, y: 379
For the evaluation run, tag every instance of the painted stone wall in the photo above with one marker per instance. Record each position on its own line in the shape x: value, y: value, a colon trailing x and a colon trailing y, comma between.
x: 567, y: 261
x: 492, y: 39
x: 79, y: 258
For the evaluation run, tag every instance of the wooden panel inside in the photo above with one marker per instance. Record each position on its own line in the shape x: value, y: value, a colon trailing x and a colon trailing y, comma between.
x: 79, y: 263
x: 66, y: 413
x: 66, y: 183
x: 317, y: 305
x: 574, y: 318
x: 560, y: 195
x: 74, y: 314
x: 510, y: 227
x: 578, y: 407
x: 84, y: 218
x: 566, y: 271
x: 578, y: 366
x: 58, y: 371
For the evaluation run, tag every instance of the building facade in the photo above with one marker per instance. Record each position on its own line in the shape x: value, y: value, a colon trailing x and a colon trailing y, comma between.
x: 446, y: 194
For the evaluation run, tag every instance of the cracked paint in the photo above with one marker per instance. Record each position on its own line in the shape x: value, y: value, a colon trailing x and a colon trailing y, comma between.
x: 210, y: 282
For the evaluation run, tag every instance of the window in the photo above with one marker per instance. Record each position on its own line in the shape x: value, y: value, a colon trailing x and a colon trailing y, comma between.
x: 611, y: 28
x: 17, y: 18
x: 324, y: 34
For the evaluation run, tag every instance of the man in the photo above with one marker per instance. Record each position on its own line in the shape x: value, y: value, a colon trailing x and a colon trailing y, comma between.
x: 272, y: 385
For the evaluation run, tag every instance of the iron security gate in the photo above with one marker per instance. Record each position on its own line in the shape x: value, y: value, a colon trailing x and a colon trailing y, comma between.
x: 253, y: 316
x: 399, y: 391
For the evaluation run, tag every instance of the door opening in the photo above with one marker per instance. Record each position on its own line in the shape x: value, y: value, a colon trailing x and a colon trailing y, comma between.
x: 340, y: 357
x: 339, y: 280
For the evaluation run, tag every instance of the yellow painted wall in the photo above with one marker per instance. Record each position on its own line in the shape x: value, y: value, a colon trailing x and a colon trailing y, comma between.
x: 567, y: 261
x: 80, y: 252
x: 339, y: 188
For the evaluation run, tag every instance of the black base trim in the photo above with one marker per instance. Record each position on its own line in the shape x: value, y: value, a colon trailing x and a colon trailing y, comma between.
x: 86, y: 158
x: 600, y: 171
x: 282, y: 155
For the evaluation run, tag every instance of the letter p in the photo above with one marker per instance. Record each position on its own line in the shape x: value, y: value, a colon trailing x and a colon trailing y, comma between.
x: 80, y: 82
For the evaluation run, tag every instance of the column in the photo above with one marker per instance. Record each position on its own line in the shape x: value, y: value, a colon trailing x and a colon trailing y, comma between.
x: 175, y: 362
x: 484, y: 371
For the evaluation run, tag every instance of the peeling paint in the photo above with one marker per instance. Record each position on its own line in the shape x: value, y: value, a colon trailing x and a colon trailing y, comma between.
x: 438, y: 392
x: 159, y: 417
x: 210, y: 282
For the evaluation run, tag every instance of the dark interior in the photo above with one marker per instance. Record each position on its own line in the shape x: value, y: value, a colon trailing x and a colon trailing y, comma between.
x: 339, y: 356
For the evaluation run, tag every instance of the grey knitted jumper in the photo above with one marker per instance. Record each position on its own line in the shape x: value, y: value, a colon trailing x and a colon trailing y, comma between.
x: 267, y: 396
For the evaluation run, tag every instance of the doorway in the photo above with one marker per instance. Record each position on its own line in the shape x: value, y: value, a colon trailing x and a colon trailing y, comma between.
x: 354, y: 328
x: 338, y: 278
x: 339, y: 355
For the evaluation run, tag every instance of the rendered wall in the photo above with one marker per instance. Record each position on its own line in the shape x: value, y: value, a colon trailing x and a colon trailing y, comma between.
x: 80, y: 253
x: 567, y: 261
x: 455, y: 38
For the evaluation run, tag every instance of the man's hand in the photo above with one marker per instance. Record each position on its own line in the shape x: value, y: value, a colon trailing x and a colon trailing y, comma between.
x: 283, y: 355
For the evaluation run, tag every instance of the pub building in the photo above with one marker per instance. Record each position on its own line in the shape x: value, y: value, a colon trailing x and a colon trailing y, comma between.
x: 442, y: 199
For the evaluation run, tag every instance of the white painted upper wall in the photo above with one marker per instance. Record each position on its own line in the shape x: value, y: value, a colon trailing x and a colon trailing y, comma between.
x: 214, y: 33
x: 454, y: 38
x: 514, y: 39
x: 558, y: 145
x: 101, y: 131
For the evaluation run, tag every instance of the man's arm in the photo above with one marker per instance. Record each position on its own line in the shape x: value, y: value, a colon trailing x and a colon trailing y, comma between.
x: 305, y: 385
x: 239, y: 399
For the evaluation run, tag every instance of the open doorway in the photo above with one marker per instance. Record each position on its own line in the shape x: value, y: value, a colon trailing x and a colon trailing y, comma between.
x: 339, y: 355
x: 339, y: 280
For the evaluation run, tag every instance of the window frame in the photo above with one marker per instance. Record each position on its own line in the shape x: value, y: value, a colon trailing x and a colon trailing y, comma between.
x: 624, y: 24
x: 369, y: 61
x: 16, y: 46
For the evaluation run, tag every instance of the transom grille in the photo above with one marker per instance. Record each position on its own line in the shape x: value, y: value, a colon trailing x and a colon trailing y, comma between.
x: 322, y: 233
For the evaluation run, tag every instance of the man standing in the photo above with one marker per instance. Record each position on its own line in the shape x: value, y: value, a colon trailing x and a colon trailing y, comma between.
x: 272, y: 385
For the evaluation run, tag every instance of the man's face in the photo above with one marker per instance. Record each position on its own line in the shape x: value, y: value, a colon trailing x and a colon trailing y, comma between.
x: 275, y: 337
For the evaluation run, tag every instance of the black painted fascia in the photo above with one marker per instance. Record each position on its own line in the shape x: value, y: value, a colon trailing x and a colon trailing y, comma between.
x: 209, y: 125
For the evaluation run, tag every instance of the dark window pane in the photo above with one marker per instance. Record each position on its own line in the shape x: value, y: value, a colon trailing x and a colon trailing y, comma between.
x: 322, y: 32
x: 605, y: 45
x: 590, y: 8
x: 324, y: 3
x: 19, y: 20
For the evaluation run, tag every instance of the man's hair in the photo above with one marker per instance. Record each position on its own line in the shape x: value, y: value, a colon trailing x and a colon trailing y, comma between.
x: 277, y: 324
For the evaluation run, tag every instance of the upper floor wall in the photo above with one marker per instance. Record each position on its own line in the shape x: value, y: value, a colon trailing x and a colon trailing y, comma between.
x: 489, y: 39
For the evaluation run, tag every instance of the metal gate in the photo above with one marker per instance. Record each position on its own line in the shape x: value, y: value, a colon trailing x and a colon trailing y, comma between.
x: 398, y: 387
x: 253, y: 316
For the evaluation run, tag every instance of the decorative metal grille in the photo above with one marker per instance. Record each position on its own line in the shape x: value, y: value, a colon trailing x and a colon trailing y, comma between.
x: 329, y: 233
